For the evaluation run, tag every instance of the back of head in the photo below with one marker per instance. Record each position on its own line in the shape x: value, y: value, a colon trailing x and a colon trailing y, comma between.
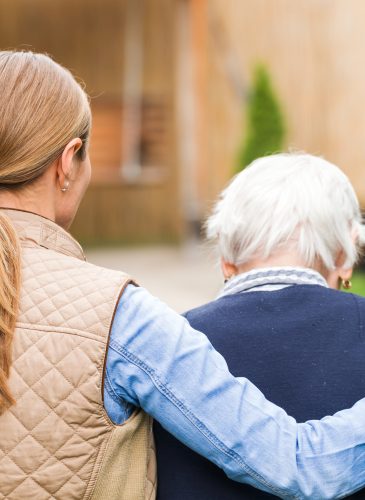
x: 288, y: 202
x: 42, y: 108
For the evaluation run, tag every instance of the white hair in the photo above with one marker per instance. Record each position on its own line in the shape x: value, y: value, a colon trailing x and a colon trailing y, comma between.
x: 295, y: 202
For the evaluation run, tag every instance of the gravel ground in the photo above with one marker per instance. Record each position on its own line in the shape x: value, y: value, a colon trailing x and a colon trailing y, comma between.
x: 183, y: 277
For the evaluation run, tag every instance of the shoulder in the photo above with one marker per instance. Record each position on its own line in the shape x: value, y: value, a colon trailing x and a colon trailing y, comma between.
x: 137, y: 304
x: 358, y: 299
x: 60, y: 291
x: 345, y: 306
x: 337, y: 297
x: 55, y: 265
x: 211, y: 312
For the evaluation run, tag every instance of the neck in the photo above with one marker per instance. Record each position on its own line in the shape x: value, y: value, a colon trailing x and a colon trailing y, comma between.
x: 280, y: 260
x: 34, y: 201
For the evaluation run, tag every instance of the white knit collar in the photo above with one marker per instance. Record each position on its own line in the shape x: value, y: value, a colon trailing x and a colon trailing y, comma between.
x: 272, y: 278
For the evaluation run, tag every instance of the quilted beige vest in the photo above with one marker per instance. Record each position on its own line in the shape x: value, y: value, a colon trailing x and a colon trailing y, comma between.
x: 57, y: 441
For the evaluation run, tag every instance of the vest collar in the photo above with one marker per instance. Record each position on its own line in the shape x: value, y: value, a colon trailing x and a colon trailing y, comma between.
x: 37, y: 230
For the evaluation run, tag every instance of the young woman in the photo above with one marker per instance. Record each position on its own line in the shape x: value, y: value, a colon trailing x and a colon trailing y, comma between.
x: 85, y: 355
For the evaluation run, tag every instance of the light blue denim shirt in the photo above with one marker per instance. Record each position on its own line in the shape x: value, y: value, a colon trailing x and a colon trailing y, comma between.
x: 156, y: 361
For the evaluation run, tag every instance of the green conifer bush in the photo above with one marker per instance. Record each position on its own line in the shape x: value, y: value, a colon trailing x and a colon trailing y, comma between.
x: 265, y: 124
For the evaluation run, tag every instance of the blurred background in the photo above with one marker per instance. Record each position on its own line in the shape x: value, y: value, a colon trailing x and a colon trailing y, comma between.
x: 184, y: 93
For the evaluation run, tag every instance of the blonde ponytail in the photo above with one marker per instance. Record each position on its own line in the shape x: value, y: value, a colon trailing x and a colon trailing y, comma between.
x: 9, y: 303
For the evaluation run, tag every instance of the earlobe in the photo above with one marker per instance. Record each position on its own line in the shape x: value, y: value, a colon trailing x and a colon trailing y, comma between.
x: 346, y: 284
x: 339, y: 276
x: 346, y: 275
x: 65, y: 186
x: 228, y: 269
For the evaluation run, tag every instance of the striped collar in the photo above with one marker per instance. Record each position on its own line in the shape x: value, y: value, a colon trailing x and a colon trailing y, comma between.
x: 272, y: 278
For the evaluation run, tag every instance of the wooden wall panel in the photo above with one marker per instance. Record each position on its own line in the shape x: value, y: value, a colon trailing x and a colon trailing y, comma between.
x: 314, y: 50
x: 84, y: 35
x: 115, y: 213
x: 88, y: 36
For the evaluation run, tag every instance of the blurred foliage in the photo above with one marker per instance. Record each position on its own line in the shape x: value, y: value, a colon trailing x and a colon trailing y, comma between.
x: 358, y: 282
x: 265, y: 123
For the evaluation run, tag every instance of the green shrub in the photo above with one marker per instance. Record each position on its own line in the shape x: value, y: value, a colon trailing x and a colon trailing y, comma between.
x: 265, y: 124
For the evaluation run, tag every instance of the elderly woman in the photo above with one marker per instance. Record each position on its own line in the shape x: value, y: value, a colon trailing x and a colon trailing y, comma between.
x: 288, y: 230
x: 86, y: 356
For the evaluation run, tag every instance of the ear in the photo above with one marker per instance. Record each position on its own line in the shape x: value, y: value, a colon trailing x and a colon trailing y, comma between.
x: 340, y: 273
x: 65, y: 164
x: 228, y: 269
x: 346, y: 274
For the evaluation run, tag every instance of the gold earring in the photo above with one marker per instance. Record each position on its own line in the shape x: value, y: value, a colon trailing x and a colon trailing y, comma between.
x: 346, y: 284
x: 65, y: 187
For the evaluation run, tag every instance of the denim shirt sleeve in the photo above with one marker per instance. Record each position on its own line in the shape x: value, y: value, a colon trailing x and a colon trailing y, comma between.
x: 156, y: 361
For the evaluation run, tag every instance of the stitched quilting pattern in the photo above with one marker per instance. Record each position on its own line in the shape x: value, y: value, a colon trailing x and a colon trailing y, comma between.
x: 151, y: 486
x: 52, y: 439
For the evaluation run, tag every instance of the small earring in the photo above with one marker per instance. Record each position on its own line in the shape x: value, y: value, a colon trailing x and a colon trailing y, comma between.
x: 228, y: 278
x: 65, y: 187
x: 346, y: 284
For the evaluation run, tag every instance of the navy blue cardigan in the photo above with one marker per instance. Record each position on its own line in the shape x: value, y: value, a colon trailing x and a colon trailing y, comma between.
x: 303, y: 346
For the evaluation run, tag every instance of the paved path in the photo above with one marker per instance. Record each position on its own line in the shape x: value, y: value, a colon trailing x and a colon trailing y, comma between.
x: 184, y: 277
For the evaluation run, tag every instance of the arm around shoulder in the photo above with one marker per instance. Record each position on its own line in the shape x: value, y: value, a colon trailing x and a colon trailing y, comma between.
x: 158, y: 362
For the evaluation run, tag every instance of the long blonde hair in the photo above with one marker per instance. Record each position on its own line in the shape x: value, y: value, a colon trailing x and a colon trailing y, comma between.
x: 42, y: 108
